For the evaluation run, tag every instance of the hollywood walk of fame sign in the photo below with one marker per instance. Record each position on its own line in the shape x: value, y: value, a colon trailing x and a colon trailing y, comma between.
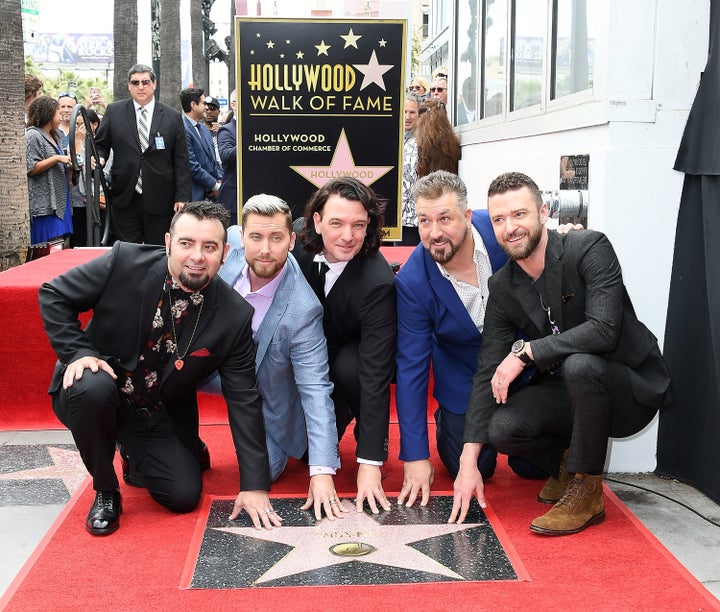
x: 319, y: 99
x: 404, y: 545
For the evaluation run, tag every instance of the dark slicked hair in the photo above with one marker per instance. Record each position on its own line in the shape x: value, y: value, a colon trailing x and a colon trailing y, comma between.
x: 189, y: 95
x: 513, y: 181
x: 204, y: 209
x: 349, y: 189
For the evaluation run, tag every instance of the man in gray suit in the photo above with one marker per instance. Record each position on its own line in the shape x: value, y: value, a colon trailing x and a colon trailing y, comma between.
x: 558, y: 306
x: 291, y: 361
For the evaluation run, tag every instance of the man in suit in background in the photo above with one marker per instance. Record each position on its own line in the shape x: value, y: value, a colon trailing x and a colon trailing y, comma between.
x: 160, y: 325
x: 291, y: 352
x: 340, y: 258
x: 150, y: 177
x: 227, y: 147
x: 204, y: 168
x: 599, y: 371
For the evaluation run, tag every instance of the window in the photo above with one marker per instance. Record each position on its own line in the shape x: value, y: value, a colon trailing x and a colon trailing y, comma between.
x: 573, y: 57
x: 529, y: 28
x: 466, y: 68
x: 494, y: 69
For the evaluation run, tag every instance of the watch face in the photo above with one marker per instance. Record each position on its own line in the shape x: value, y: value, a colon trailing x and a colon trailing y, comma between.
x: 518, y: 346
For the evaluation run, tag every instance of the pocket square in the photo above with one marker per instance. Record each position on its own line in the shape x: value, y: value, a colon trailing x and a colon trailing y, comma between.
x: 203, y: 352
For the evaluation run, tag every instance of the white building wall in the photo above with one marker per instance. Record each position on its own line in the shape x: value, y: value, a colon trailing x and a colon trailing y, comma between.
x: 648, y: 65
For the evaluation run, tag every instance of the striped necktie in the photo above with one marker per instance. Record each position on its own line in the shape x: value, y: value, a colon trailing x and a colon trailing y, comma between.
x: 143, y: 134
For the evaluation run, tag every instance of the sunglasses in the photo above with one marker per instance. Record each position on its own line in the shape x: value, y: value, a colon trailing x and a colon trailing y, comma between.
x: 67, y: 94
x: 415, y: 87
x: 440, y: 75
x: 145, y: 82
x: 440, y: 89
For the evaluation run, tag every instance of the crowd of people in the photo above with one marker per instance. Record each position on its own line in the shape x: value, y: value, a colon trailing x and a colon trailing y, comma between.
x: 176, y: 150
x: 535, y: 349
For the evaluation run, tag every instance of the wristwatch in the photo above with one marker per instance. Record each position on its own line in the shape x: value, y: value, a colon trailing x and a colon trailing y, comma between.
x: 518, y: 349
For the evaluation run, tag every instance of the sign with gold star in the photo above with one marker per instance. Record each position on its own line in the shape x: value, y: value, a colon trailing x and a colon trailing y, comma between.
x: 320, y: 99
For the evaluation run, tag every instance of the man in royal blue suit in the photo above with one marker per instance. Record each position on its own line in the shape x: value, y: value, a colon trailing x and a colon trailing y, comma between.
x: 291, y: 352
x: 149, y: 178
x: 205, y: 170
x: 442, y: 291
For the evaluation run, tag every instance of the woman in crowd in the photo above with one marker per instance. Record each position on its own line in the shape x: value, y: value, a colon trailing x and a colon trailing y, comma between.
x: 438, y: 145
x: 78, y: 193
x: 48, y: 187
x: 418, y: 86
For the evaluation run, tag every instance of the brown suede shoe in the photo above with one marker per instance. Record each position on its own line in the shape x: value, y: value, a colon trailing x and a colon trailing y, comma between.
x: 554, y: 488
x: 581, y: 505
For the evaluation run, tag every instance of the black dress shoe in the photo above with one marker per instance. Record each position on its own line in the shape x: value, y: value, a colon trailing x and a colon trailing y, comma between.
x: 104, y: 516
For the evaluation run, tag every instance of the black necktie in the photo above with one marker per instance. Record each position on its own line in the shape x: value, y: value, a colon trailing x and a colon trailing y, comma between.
x: 322, y: 271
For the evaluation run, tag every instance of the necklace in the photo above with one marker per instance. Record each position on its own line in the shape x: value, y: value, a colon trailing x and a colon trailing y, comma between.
x: 553, y: 326
x: 179, y: 363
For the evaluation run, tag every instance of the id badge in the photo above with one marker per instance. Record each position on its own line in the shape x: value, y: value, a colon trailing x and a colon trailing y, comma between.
x: 159, y: 142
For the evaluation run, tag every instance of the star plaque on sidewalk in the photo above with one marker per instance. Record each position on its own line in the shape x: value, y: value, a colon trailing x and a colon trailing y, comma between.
x: 404, y: 545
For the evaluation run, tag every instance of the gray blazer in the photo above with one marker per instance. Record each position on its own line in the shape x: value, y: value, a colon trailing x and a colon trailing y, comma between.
x: 589, y: 302
x: 292, y: 364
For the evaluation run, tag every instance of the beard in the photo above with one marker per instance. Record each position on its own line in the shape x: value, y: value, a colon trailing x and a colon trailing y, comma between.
x: 266, y: 269
x: 193, y: 283
x: 442, y: 256
x: 523, y: 252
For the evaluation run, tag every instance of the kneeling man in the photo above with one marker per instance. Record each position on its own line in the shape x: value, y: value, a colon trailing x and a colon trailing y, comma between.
x: 599, y: 371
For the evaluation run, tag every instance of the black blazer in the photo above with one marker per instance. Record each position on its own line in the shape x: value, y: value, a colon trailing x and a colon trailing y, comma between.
x: 122, y: 288
x: 589, y: 302
x: 360, y: 309
x: 165, y: 171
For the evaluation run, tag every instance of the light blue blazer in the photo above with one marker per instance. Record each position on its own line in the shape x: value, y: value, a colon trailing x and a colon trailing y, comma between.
x: 292, y: 364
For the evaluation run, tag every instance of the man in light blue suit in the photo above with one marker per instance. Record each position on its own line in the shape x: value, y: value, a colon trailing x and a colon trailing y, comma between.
x: 205, y: 170
x: 291, y: 360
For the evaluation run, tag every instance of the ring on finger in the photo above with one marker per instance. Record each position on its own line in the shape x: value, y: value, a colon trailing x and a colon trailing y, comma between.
x: 269, y: 511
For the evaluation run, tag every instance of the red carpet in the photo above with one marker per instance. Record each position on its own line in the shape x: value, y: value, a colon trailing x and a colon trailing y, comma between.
x: 618, y: 565
x: 26, y: 359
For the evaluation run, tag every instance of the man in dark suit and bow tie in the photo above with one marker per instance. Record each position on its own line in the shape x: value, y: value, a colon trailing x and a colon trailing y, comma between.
x: 204, y: 167
x: 341, y: 236
x: 599, y: 372
x: 160, y: 325
x: 150, y: 176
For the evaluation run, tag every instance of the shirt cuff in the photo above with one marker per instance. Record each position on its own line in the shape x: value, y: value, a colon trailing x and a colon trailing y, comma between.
x: 369, y: 461
x: 316, y: 470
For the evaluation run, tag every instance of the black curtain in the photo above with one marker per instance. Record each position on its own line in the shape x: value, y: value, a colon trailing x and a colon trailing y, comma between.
x: 689, y: 432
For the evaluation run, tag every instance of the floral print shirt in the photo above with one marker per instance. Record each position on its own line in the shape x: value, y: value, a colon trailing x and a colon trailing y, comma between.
x: 142, y: 386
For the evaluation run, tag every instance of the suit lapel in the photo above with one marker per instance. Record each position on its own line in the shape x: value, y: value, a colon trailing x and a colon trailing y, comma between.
x: 155, y: 280
x: 553, y: 277
x: 527, y: 296
x: 446, y: 293
x: 277, y: 309
x: 132, y: 121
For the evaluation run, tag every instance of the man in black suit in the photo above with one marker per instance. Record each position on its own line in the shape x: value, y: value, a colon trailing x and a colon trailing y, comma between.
x: 340, y: 258
x: 160, y: 325
x: 150, y: 173
x: 558, y: 306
